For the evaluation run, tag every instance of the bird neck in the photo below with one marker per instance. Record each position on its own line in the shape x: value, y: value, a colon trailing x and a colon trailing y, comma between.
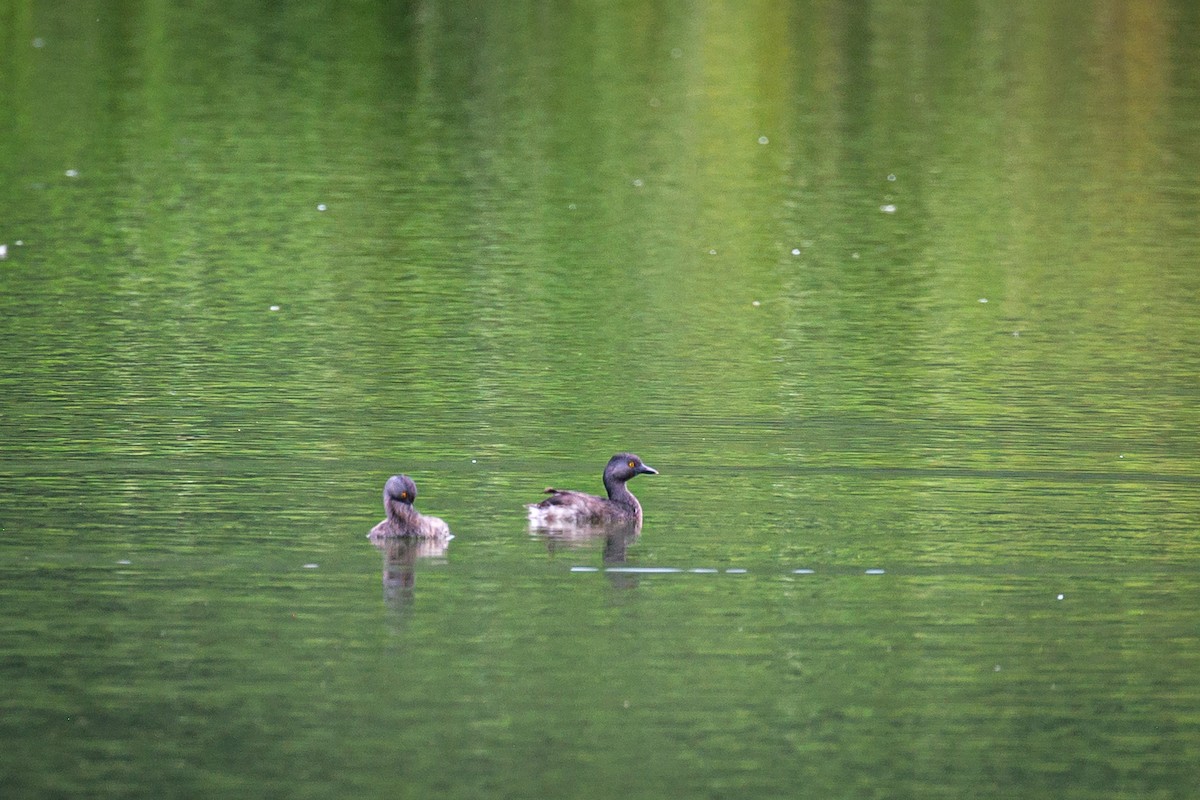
x: 402, y: 513
x: 618, y: 492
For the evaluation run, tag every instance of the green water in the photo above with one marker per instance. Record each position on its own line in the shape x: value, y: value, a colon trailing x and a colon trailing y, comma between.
x: 900, y: 287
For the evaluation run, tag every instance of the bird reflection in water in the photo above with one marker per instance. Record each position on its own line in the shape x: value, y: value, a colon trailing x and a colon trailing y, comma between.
x: 614, y: 540
x: 400, y: 557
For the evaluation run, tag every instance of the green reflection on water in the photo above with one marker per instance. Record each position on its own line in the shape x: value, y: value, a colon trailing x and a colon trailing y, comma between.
x: 894, y: 285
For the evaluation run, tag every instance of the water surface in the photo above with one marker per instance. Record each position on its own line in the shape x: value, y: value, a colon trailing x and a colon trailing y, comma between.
x: 899, y: 299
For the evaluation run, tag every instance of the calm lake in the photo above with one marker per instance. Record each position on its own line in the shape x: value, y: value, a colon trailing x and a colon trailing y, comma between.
x: 899, y: 298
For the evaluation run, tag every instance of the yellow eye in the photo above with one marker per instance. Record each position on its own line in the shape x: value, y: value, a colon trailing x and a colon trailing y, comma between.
x: 633, y: 463
x: 404, y: 495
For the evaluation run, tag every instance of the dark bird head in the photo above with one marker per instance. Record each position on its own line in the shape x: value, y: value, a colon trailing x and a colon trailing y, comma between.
x: 399, y: 489
x: 624, y: 466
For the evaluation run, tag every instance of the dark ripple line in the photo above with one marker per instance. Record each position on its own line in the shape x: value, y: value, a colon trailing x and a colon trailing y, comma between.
x: 1053, y: 476
x: 243, y: 467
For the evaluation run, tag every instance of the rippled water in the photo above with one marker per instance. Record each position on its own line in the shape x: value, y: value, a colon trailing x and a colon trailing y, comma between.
x: 899, y: 299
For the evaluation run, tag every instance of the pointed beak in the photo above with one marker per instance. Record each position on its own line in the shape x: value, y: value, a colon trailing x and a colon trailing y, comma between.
x: 647, y: 470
